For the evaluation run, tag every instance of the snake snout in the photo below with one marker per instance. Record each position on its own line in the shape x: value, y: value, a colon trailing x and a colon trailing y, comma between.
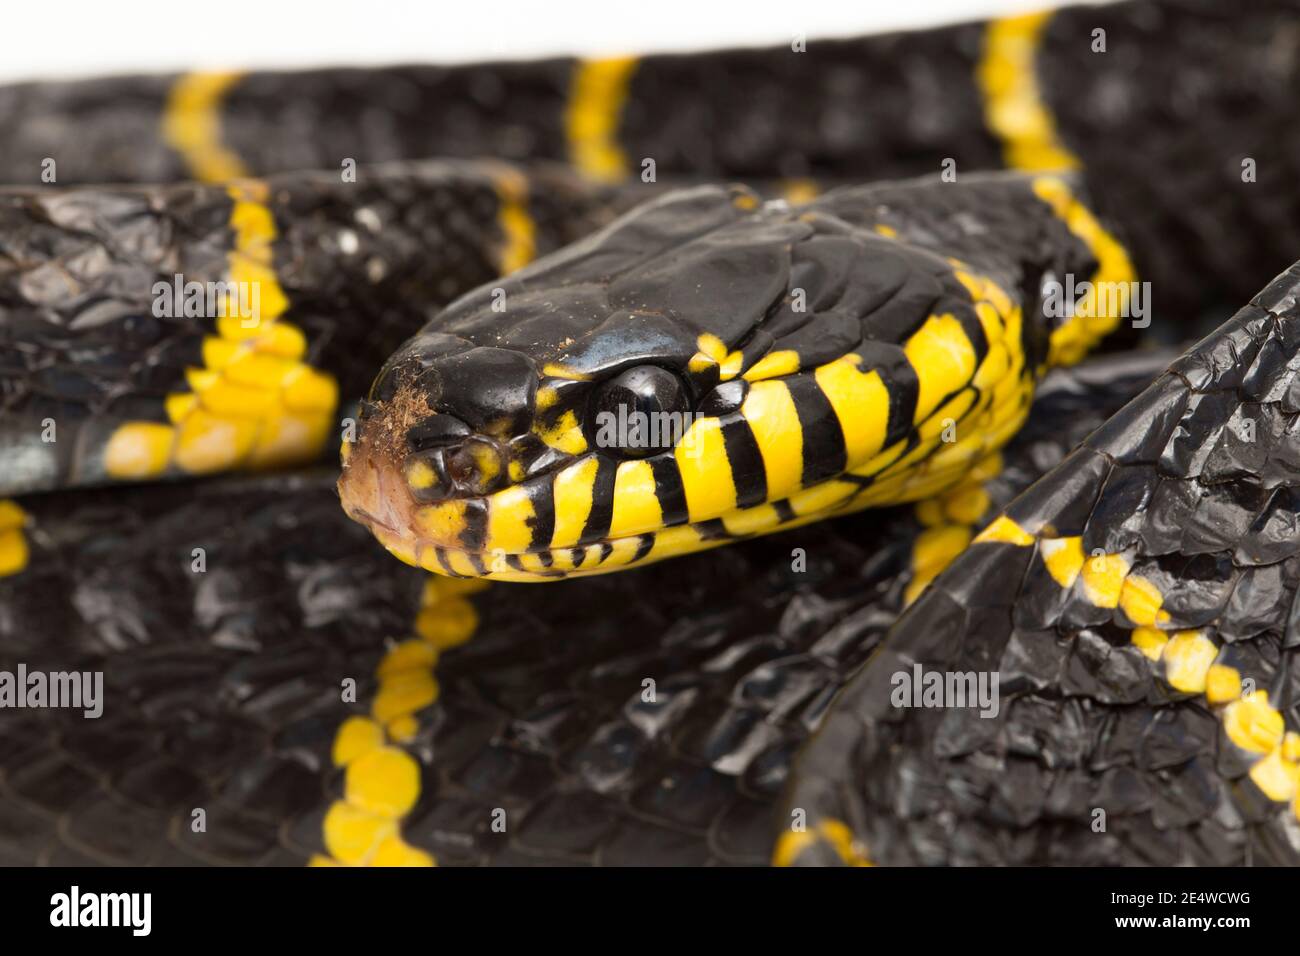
x: 373, y: 495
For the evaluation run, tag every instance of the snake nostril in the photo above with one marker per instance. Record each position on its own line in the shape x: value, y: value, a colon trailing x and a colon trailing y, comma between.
x: 476, y: 466
x: 473, y: 467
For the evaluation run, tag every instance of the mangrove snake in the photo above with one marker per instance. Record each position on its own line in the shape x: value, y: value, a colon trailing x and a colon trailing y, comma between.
x: 1116, y: 543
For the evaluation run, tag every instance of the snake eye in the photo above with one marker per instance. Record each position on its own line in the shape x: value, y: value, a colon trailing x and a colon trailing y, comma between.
x: 641, y: 412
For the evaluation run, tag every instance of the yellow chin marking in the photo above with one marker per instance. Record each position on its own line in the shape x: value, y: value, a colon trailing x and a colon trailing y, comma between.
x: 706, y: 474
x: 574, y: 490
x: 509, y: 512
x: 442, y: 522
x: 770, y: 410
x: 636, y: 507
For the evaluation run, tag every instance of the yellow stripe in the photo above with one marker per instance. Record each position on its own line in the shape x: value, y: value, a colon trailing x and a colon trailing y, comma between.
x: 574, y: 492
x: 707, y: 480
x: 1005, y: 530
x: 14, y: 553
x: 773, y: 365
x: 596, y: 97
x: 932, y: 551
x: 636, y: 506
x: 1064, y: 558
x: 1103, y: 578
x: 860, y: 402
x: 191, y: 125
x: 944, y: 359
x: 834, y: 833
x: 509, y: 512
x: 1014, y: 110
x: 518, y: 231
x: 1188, y: 659
x: 770, y: 410
x: 381, y: 780
x: 1093, y: 317
x: 256, y: 404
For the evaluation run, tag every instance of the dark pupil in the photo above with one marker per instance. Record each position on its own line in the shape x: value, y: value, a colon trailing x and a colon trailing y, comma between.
x: 643, y: 411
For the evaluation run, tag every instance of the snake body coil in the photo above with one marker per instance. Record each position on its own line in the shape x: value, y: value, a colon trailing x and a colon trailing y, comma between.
x: 586, y: 367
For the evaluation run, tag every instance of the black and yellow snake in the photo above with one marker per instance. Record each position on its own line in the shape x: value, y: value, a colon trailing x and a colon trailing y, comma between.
x: 493, y: 270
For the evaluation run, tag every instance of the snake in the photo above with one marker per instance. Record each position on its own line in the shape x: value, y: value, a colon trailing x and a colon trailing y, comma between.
x: 832, y: 272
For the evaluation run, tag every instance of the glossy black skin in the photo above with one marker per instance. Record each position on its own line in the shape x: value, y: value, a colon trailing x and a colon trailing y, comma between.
x: 1085, y: 722
x: 713, y: 261
x: 645, y: 390
x: 221, y: 674
x: 363, y: 264
x: 1159, y: 122
x: 221, y: 688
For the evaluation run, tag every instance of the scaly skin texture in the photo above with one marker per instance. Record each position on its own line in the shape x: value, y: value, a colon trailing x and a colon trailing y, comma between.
x: 821, y: 352
x: 222, y: 687
x: 1156, y: 121
x: 348, y: 270
x: 232, y: 703
x: 1138, y: 605
x: 868, y: 108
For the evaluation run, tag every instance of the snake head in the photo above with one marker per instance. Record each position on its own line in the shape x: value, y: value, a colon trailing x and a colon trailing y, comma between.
x: 708, y: 367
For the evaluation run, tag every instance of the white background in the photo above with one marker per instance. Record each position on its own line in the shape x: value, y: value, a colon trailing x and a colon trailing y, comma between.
x: 45, y: 40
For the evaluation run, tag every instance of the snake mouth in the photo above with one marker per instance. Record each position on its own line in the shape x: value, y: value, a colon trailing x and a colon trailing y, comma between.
x: 441, y: 537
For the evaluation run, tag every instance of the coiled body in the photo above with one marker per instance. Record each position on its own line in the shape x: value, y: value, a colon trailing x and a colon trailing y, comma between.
x: 662, y: 715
